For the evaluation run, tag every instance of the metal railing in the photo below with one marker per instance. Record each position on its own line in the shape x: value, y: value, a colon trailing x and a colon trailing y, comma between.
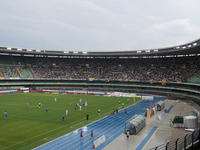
x: 182, y: 143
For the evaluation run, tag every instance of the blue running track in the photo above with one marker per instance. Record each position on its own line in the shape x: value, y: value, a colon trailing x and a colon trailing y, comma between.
x: 142, y: 144
x: 111, y: 126
x: 170, y: 108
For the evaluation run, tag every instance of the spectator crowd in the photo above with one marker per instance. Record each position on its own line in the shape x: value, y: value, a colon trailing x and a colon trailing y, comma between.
x: 175, y: 69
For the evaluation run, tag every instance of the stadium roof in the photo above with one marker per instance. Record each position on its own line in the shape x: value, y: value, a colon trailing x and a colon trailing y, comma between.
x: 192, y: 48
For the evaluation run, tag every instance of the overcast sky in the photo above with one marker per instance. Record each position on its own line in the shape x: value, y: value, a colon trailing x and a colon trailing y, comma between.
x: 98, y: 25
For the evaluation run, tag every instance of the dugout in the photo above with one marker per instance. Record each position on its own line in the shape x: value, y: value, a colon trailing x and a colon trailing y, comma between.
x: 178, y: 122
x: 160, y: 105
x: 135, y: 124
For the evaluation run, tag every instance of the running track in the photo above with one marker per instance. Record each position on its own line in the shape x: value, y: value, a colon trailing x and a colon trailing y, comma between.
x: 111, y: 126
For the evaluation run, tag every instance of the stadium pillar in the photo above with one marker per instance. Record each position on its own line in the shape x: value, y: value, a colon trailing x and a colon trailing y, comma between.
x: 199, y: 137
x: 176, y: 144
x: 166, y: 148
x: 192, y: 140
x: 185, y: 142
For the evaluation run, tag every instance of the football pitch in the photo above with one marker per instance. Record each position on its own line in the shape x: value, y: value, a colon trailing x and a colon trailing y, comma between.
x: 28, y: 125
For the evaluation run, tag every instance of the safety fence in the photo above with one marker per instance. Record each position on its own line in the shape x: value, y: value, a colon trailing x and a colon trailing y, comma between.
x: 188, y: 141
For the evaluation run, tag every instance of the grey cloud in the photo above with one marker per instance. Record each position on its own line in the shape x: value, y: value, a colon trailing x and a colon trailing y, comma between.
x: 98, y: 24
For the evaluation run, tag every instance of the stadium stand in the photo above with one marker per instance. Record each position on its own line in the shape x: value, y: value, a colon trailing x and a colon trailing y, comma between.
x: 181, y: 69
x: 171, y: 64
x: 26, y: 73
x: 8, y: 72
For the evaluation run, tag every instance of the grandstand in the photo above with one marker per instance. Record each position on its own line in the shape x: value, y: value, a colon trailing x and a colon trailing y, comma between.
x: 174, y: 64
x: 169, y: 69
x: 172, y: 71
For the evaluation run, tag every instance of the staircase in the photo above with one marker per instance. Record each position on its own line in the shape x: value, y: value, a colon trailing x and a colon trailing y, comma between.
x: 19, y: 73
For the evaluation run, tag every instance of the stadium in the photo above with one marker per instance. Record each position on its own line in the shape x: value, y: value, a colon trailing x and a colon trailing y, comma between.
x: 85, y: 100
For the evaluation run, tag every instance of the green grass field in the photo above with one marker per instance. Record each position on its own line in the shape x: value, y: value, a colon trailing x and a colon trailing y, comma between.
x: 28, y: 127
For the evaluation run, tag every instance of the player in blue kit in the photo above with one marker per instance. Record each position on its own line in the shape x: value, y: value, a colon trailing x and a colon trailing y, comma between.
x: 5, y: 115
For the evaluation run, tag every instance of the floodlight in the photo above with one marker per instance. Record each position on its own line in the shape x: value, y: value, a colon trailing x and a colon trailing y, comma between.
x: 194, y: 44
x: 147, y: 51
